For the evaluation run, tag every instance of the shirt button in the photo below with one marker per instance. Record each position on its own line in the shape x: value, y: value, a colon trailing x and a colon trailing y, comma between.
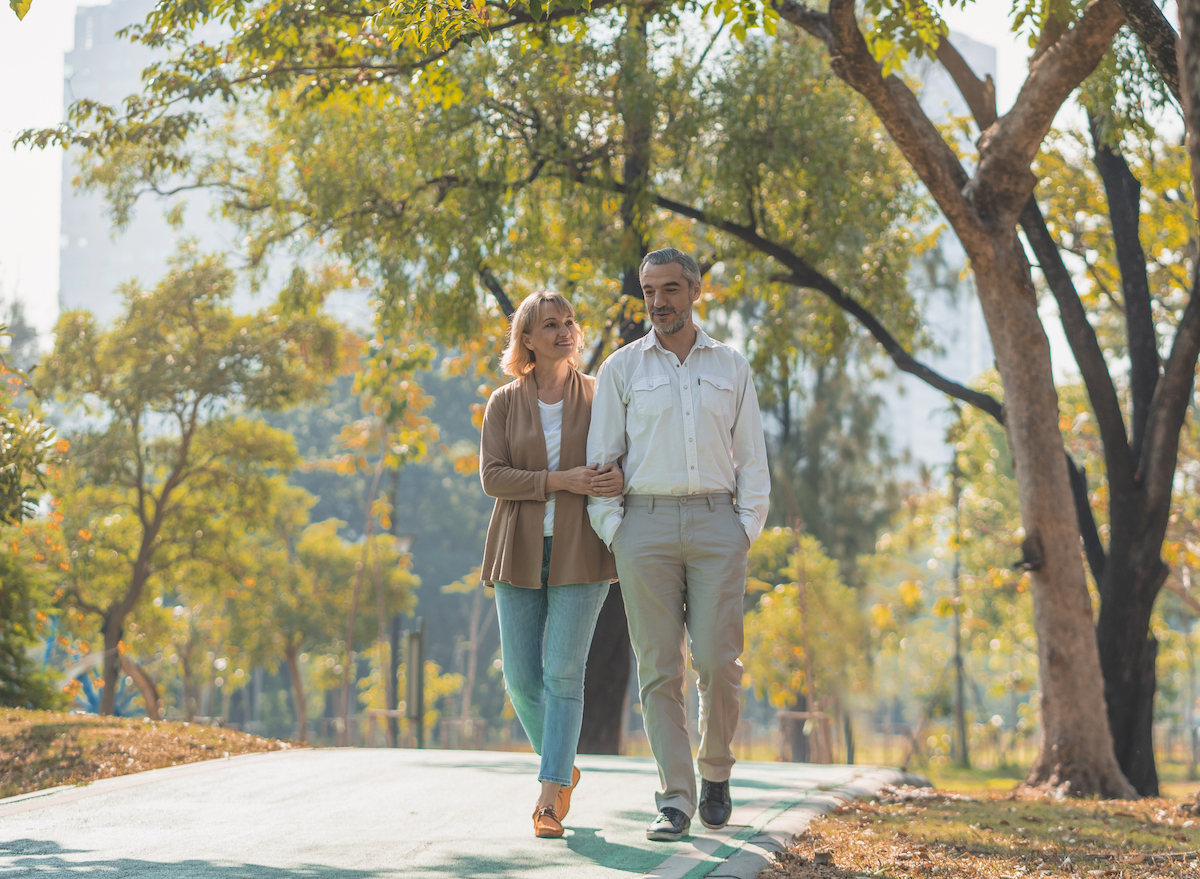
x: 693, y: 468
x: 689, y: 439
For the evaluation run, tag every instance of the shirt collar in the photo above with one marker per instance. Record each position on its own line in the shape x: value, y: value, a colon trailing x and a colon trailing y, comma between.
x: 703, y: 340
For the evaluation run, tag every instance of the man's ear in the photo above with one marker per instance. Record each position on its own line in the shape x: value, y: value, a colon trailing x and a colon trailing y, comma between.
x: 696, y: 292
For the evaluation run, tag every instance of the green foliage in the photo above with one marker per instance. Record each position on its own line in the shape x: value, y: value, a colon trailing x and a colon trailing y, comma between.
x: 440, y: 687
x: 291, y: 587
x: 904, y: 29
x: 505, y: 157
x: 832, y: 468
x: 23, y: 683
x: 772, y: 141
x: 29, y: 447
x: 804, y: 605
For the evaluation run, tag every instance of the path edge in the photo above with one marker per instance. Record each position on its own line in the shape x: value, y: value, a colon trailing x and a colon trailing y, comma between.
x: 779, y: 834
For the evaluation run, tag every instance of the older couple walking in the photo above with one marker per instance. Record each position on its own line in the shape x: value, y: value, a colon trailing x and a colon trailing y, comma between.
x: 654, y: 472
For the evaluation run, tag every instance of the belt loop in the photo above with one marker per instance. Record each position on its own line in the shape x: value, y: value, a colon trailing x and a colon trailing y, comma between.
x: 712, y: 505
x: 651, y: 503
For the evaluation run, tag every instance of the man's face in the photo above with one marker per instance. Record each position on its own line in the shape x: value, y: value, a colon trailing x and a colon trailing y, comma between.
x: 669, y: 297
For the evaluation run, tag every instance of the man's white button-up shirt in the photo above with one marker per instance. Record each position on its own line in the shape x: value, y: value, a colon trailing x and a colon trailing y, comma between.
x: 679, y: 428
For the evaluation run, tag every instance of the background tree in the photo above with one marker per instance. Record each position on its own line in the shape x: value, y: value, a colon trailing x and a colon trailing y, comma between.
x: 293, y: 595
x: 393, y: 429
x: 832, y: 466
x: 169, y: 448
x: 804, y: 632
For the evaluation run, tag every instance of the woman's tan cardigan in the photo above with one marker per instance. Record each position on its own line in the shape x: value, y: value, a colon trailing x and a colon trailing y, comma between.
x: 513, y: 468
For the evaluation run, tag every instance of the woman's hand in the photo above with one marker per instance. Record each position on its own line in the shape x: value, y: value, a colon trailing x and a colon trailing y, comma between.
x: 593, y: 479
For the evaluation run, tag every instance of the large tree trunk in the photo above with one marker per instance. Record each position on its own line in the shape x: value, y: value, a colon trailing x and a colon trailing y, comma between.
x: 1077, y: 749
x: 298, y: 698
x: 1128, y: 652
x: 606, y: 680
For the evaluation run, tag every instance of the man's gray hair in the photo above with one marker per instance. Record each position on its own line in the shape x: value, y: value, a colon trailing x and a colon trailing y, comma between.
x: 691, y: 270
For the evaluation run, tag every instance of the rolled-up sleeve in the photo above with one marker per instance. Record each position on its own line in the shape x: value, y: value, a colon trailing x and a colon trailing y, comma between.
x: 606, y: 445
x: 500, y: 479
x: 752, y: 474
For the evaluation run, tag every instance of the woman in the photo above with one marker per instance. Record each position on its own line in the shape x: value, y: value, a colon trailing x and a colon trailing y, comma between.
x: 550, y: 570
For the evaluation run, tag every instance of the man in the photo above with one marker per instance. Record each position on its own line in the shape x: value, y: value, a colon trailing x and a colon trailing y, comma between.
x: 679, y: 412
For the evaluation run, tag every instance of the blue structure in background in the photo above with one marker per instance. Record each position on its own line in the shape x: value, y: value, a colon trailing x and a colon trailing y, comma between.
x: 57, y: 657
x: 89, y: 699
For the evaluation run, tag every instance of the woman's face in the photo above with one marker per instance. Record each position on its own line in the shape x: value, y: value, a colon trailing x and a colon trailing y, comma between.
x: 555, y: 336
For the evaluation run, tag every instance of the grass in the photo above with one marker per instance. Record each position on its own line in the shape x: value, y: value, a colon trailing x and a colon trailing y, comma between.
x: 991, y: 835
x: 41, y: 749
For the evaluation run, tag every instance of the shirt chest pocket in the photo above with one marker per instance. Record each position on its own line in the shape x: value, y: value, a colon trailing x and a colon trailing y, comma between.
x: 651, y: 395
x: 717, y: 397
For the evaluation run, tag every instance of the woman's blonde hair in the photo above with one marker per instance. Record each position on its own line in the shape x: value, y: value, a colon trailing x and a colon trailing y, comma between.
x: 517, y: 359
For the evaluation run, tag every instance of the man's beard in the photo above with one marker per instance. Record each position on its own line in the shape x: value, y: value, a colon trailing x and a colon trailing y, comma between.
x: 675, y: 326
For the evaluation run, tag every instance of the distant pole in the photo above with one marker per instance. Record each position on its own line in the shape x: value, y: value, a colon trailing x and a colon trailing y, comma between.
x: 960, y: 705
x: 393, y: 696
x: 1189, y: 712
x: 416, y: 680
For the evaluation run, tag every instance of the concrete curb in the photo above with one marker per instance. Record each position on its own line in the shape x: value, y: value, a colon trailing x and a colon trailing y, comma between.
x: 742, y: 852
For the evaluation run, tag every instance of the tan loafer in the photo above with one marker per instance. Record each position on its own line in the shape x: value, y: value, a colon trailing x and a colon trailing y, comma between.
x: 546, y: 824
x: 562, y: 804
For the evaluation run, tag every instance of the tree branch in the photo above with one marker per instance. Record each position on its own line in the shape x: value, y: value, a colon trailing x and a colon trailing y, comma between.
x: 901, y: 114
x: 980, y: 94
x: 1188, y: 598
x: 1124, y: 195
x: 1189, y: 58
x: 1081, y: 336
x: 1003, y: 181
x: 1168, y: 409
x: 1092, y: 547
x: 804, y: 275
x: 1157, y: 37
x: 73, y: 593
x: 490, y: 281
x: 807, y: 19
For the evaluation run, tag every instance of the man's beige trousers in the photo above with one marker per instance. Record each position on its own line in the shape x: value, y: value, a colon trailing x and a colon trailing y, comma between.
x: 682, y: 565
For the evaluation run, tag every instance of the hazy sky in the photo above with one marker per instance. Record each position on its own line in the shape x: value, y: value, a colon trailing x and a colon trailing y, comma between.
x: 31, y: 66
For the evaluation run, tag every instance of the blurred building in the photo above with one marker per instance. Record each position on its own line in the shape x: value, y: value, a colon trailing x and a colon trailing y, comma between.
x: 94, y: 258
x: 917, y: 414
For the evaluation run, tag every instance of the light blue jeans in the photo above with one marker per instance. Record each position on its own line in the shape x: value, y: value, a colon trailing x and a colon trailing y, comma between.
x: 545, y: 635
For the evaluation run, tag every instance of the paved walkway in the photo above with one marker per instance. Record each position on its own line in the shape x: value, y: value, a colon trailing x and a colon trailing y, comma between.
x: 359, y: 813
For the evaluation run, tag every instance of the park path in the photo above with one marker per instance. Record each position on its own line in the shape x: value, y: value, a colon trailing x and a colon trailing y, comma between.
x: 377, y: 814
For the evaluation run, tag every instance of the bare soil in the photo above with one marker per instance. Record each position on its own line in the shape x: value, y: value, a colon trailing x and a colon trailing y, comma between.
x: 912, y: 835
x: 42, y: 749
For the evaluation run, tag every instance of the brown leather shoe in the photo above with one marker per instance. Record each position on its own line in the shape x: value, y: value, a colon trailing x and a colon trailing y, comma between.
x: 562, y: 804
x: 546, y: 824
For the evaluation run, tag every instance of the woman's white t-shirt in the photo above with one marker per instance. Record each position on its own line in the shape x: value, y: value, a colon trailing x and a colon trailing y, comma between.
x: 552, y: 428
